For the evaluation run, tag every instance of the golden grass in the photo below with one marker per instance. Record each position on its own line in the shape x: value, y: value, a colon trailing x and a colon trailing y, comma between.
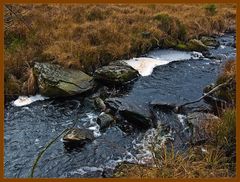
x: 87, y: 36
x: 229, y: 93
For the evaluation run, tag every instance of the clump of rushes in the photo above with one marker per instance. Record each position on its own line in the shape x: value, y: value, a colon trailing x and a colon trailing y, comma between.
x: 88, y: 36
x: 165, y: 21
x: 211, y: 9
x: 172, y: 26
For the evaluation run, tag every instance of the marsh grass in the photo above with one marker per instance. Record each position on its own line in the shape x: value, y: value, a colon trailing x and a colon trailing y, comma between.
x: 211, y: 9
x: 88, y: 36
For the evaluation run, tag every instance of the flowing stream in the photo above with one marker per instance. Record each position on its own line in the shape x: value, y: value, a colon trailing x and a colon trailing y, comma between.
x: 167, y: 76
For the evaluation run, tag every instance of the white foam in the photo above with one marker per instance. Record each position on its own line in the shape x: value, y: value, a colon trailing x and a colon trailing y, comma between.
x: 86, y: 169
x: 36, y: 142
x: 24, y: 100
x: 181, y: 118
x: 151, y: 139
x: 91, y: 117
x: 222, y: 46
x: 145, y: 65
x: 196, y: 55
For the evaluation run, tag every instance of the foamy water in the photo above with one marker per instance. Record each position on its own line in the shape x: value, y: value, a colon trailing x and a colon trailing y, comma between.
x: 145, y: 65
x: 91, y: 124
x: 25, y: 100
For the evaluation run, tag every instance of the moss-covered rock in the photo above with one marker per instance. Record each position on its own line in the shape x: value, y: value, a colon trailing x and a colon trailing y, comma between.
x: 182, y: 47
x: 55, y: 81
x: 196, y: 45
x: 115, y: 74
x: 210, y: 41
x: 77, y: 137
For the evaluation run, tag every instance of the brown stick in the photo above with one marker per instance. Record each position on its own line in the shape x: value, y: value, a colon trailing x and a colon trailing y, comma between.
x: 210, y: 92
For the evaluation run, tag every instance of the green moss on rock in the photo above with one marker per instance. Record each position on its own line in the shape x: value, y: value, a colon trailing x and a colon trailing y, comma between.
x: 196, y: 45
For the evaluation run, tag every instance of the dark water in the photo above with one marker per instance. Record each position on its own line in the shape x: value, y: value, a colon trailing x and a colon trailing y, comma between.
x: 28, y: 129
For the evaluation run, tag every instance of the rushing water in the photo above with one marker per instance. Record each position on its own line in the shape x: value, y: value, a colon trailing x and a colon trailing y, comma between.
x: 29, y: 128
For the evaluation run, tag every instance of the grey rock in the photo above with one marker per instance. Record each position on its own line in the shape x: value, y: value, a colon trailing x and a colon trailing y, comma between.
x: 78, y: 135
x: 210, y: 41
x: 55, y: 81
x: 104, y: 120
x: 196, y: 45
x: 116, y: 74
x: 99, y: 103
x: 140, y: 116
x: 164, y: 105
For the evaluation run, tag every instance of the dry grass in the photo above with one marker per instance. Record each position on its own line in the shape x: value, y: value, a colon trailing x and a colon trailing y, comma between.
x: 88, y: 36
x: 228, y: 93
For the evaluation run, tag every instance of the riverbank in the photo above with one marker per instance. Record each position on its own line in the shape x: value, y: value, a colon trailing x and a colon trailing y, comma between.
x: 124, y: 127
x: 86, y: 37
x: 212, y: 158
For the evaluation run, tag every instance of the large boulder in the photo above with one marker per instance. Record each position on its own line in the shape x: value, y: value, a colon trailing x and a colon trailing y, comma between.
x: 210, y: 41
x: 55, y: 81
x: 196, y: 45
x: 117, y: 73
x: 138, y: 115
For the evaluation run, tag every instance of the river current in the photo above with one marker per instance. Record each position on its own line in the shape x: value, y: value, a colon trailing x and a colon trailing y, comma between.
x: 166, y: 75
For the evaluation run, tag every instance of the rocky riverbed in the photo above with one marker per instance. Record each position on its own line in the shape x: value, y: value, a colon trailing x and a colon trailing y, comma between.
x: 121, y: 111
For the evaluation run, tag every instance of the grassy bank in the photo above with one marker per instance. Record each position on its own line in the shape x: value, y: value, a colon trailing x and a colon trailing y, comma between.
x: 216, y: 158
x: 88, y: 36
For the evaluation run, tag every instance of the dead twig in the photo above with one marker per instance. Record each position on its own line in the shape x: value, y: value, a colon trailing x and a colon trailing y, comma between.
x: 216, y: 88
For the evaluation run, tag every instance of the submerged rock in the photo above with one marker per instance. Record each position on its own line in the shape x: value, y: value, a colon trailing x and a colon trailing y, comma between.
x: 210, y: 41
x: 164, y: 106
x: 78, y: 135
x: 117, y: 73
x: 55, y: 81
x: 196, y: 45
x: 104, y: 120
